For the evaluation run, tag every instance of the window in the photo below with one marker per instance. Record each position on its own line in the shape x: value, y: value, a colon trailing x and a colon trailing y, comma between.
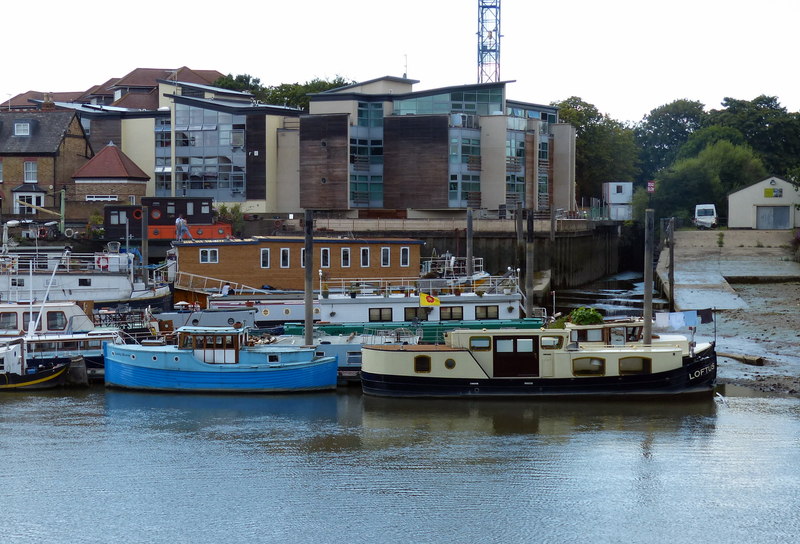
x: 422, y: 363
x: 302, y: 257
x: 209, y: 256
x: 265, y: 257
x: 416, y: 312
x: 84, y: 282
x: 589, y: 366
x: 285, y: 262
x: 325, y: 257
x: 364, y: 257
x: 480, y: 343
x: 8, y: 321
x: 345, y: 257
x: 451, y: 313
x: 22, y: 128
x: 27, y: 318
x: 117, y: 217
x: 31, y: 171
x: 635, y: 365
x: 101, y: 198
x: 552, y: 342
x: 37, y: 199
x: 405, y: 256
x: 386, y: 259
x: 380, y: 314
x: 487, y: 312
x: 618, y: 189
x: 56, y: 321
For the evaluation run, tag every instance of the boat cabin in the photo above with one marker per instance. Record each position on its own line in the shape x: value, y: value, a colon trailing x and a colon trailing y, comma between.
x: 56, y: 318
x: 217, y: 345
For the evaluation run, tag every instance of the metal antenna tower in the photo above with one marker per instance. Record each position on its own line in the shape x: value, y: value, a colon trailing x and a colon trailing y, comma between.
x: 488, y: 41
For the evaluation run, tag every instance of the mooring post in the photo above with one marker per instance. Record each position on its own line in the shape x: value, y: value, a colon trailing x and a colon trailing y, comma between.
x: 647, y: 333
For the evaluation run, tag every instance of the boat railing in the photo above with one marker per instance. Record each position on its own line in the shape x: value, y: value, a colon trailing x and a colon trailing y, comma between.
x: 101, y: 262
x: 414, y: 286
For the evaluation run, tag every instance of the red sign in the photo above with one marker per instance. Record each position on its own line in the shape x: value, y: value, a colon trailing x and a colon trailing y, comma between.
x: 651, y: 186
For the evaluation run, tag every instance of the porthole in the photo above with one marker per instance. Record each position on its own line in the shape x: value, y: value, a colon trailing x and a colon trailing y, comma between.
x: 230, y: 321
x: 195, y: 322
x: 316, y: 311
x: 286, y: 311
x: 199, y: 231
x: 265, y: 311
x: 155, y: 358
x: 450, y: 364
x: 155, y: 232
x: 155, y: 214
x: 133, y: 356
x: 176, y: 358
x: 220, y: 231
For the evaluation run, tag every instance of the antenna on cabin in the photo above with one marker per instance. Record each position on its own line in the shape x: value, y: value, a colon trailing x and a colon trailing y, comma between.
x: 405, y: 66
x: 489, y: 41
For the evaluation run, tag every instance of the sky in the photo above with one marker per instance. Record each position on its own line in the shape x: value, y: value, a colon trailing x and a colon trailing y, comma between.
x: 626, y: 57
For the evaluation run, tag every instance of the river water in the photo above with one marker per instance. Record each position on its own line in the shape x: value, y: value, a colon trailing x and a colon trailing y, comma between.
x: 105, y: 466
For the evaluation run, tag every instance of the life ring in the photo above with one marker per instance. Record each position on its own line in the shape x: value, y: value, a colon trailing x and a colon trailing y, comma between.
x: 102, y: 262
x: 278, y: 224
x: 137, y: 213
x: 69, y: 233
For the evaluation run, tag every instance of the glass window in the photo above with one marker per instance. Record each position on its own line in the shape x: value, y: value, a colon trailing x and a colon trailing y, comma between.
x: 302, y: 257
x: 589, y: 366
x: 480, y: 343
x: 209, y: 256
x: 325, y: 257
x: 422, y: 363
x: 8, y: 321
x: 22, y: 129
x: 504, y: 345
x: 56, y: 321
x: 31, y: 171
x: 386, y: 259
x: 487, y: 312
x: 635, y: 365
x: 345, y: 257
x: 26, y: 319
x: 415, y: 312
x: 364, y: 257
x: 405, y: 256
x: 451, y: 313
x: 285, y: 262
x: 552, y: 342
x: 265, y: 257
x: 380, y: 314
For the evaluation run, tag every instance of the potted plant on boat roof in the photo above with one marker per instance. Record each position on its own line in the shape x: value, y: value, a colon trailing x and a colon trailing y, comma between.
x: 353, y: 290
x: 325, y: 291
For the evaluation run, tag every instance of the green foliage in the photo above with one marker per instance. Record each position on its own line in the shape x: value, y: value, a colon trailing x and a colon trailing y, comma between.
x: 286, y: 94
x: 232, y: 215
x: 706, y: 136
x: 585, y: 316
x: 664, y: 130
x: 605, y: 149
x: 560, y: 323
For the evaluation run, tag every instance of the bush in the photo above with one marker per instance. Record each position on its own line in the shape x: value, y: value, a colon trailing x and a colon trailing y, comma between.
x: 585, y: 316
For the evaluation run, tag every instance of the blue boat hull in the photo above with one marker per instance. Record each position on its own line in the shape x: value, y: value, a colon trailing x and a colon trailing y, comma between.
x: 144, y: 373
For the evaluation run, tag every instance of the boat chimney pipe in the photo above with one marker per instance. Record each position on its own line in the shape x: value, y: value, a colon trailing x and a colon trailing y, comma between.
x: 308, y: 299
x: 470, y: 264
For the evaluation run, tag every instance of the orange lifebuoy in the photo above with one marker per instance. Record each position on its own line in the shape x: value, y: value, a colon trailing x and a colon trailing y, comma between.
x: 102, y: 262
x: 137, y: 213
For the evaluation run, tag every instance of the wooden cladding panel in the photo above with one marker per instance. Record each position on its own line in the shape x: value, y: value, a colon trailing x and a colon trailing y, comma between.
x: 256, y: 160
x: 415, y: 152
x: 324, y: 144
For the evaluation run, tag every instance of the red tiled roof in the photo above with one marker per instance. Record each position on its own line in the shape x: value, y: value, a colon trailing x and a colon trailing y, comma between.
x: 111, y: 162
x: 146, y: 77
x: 138, y: 100
x: 22, y: 100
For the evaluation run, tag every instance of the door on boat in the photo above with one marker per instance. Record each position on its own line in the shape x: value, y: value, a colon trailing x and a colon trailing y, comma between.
x: 516, y: 356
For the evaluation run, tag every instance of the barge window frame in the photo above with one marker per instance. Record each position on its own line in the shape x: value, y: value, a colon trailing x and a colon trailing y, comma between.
x: 645, y: 367
x: 265, y: 263
x: 405, y: 257
x: 209, y: 256
x: 380, y: 315
x: 487, y: 312
x: 422, y: 364
x: 345, y: 257
x: 586, y: 366
x: 410, y: 313
x: 480, y: 343
x: 451, y: 313
x: 386, y: 257
x: 286, y: 259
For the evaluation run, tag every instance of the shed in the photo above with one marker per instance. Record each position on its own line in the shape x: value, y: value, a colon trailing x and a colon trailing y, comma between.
x: 769, y: 204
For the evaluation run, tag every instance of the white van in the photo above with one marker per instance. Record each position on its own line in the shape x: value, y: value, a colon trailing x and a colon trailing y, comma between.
x: 705, y: 216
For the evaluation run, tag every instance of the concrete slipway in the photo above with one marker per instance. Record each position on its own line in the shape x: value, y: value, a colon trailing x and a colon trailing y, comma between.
x: 706, y: 261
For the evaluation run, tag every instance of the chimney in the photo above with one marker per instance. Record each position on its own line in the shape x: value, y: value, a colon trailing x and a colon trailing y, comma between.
x: 47, y: 103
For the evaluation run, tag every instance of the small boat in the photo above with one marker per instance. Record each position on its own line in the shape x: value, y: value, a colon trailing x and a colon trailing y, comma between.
x: 217, y: 359
x: 518, y: 362
x: 17, y: 374
x: 347, y: 347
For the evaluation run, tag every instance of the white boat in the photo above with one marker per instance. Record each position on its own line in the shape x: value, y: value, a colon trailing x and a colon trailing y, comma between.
x: 16, y: 373
x: 62, y: 317
x: 544, y: 362
x: 107, y: 278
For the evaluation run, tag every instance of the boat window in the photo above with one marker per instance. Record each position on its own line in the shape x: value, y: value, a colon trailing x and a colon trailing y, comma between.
x: 451, y: 313
x: 94, y: 344
x: 450, y: 364
x: 634, y: 334
x: 616, y: 336
x: 354, y: 357
x: 8, y: 320
x: 635, y: 365
x: 480, y: 343
x: 56, y: 321
x: 524, y: 345
x: 69, y: 345
x: 422, y: 363
x: 552, y: 342
x: 504, y: 346
x: 415, y: 312
x: 487, y: 312
x: 587, y: 335
x: 186, y: 341
x: 380, y: 314
x: 272, y: 358
x: 589, y: 366
x: 26, y: 319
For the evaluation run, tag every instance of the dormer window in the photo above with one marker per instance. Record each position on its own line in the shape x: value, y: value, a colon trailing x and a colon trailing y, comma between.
x: 22, y: 128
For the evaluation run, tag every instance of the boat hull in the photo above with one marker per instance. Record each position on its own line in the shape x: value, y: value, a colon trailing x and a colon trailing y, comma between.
x: 697, y: 376
x: 47, y: 378
x: 121, y: 371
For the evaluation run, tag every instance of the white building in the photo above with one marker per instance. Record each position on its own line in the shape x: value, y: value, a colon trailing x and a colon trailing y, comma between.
x: 770, y: 204
x: 618, y: 198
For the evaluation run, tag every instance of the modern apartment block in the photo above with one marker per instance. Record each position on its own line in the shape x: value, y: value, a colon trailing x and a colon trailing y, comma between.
x: 379, y: 149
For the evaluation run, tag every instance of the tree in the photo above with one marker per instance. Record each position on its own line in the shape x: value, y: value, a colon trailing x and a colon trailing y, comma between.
x: 293, y: 95
x: 767, y: 127
x: 664, y: 130
x: 702, y: 138
x: 605, y: 149
x: 242, y: 82
x: 707, y: 178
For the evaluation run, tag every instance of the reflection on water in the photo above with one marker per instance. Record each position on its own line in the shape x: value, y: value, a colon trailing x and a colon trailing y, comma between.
x: 144, y: 467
